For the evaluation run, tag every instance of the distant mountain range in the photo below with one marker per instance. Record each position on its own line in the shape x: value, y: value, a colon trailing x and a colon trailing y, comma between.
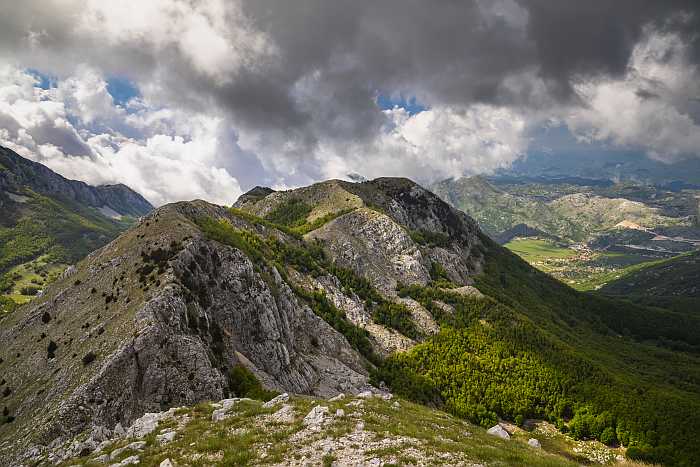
x: 571, y: 210
x: 48, y: 222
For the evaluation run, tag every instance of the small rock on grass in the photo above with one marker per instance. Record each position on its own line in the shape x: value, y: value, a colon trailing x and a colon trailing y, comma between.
x: 128, y: 461
x: 166, y: 437
x: 218, y: 415
x: 167, y: 463
x: 277, y: 400
x: 316, y: 416
x: 284, y: 415
x: 534, y: 443
x: 337, y: 398
x: 497, y: 430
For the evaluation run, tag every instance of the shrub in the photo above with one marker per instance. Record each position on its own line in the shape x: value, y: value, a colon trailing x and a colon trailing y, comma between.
x: 290, y: 213
x: 51, y: 349
x: 243, y: 383
x: 29, y: 290
x: 89, y: 358
x: 608, y: 436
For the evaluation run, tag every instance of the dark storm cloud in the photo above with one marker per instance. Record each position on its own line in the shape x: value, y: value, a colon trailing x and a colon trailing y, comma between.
x: 597, y: 37
x: 327, y: 60
x: 444, y: 51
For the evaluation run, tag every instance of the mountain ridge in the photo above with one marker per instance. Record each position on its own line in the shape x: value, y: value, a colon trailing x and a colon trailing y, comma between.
x: 327, y: 289
x: 19, y: 171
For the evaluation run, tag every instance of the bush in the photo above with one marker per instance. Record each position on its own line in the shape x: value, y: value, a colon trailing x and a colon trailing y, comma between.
x: 608, y: 437
x: 290, y: 213
x: 396, y: 316
x: 89, y: 358
x: 51, y: 350
x: 29, y: 290
x: 243, y: 383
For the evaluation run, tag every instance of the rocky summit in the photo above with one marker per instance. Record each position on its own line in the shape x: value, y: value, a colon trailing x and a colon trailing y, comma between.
x: 378, y: 323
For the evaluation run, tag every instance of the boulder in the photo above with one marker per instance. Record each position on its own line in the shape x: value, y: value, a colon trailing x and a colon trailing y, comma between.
x: 284, y: 415
x: 534, y: 443
x: 497, y: 430
x: 316, y: 416
x: 128, y: 461
x: 166, y: 437
x: 277, y: 400
x: 144, y: 425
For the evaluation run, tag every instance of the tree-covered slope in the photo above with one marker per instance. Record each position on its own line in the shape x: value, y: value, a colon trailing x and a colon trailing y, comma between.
x: 596, y: 367
x: 48, y: 222
x: 674, y: 277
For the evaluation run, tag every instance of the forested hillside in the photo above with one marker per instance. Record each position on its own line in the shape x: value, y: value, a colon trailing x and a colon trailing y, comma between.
x: 48, y: 222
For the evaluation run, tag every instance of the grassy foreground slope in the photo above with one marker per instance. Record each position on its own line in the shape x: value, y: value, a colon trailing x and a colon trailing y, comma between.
x: 354, y: 432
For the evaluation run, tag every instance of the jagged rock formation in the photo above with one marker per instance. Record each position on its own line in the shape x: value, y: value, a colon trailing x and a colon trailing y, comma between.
x: 160, y: 316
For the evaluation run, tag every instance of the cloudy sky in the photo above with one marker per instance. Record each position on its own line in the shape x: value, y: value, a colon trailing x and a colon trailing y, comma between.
x: 183, y: 99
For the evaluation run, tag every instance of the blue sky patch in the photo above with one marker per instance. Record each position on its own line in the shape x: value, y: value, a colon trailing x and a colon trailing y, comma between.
x: 45, y: 81
x: 122, y: 90
x: 412, y: 106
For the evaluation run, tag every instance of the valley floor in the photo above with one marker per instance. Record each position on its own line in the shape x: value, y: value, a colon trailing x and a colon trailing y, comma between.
x: 578, y: 266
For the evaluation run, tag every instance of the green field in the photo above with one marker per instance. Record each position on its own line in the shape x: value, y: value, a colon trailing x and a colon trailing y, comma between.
x: 582, y: 270
x: 532, y: 250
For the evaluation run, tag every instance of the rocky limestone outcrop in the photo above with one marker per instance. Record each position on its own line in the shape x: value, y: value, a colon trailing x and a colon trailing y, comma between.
x: 164, y: 340
x: 374, y: 245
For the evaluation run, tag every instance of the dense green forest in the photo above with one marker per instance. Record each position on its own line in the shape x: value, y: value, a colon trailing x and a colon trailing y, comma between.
x: 537, y: 349
x: 532, y: 348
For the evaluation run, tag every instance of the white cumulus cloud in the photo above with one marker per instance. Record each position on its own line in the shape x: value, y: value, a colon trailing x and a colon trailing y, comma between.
x: 76, y: 129
x: 654, y: 106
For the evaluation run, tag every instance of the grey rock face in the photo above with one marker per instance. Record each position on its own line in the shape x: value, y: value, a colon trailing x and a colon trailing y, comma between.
x: 187, y: 343
x: 376, y: 247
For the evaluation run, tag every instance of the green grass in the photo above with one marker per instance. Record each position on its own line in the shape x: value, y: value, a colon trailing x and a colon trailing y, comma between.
x: 532, y: 250
x: 582, y: 271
